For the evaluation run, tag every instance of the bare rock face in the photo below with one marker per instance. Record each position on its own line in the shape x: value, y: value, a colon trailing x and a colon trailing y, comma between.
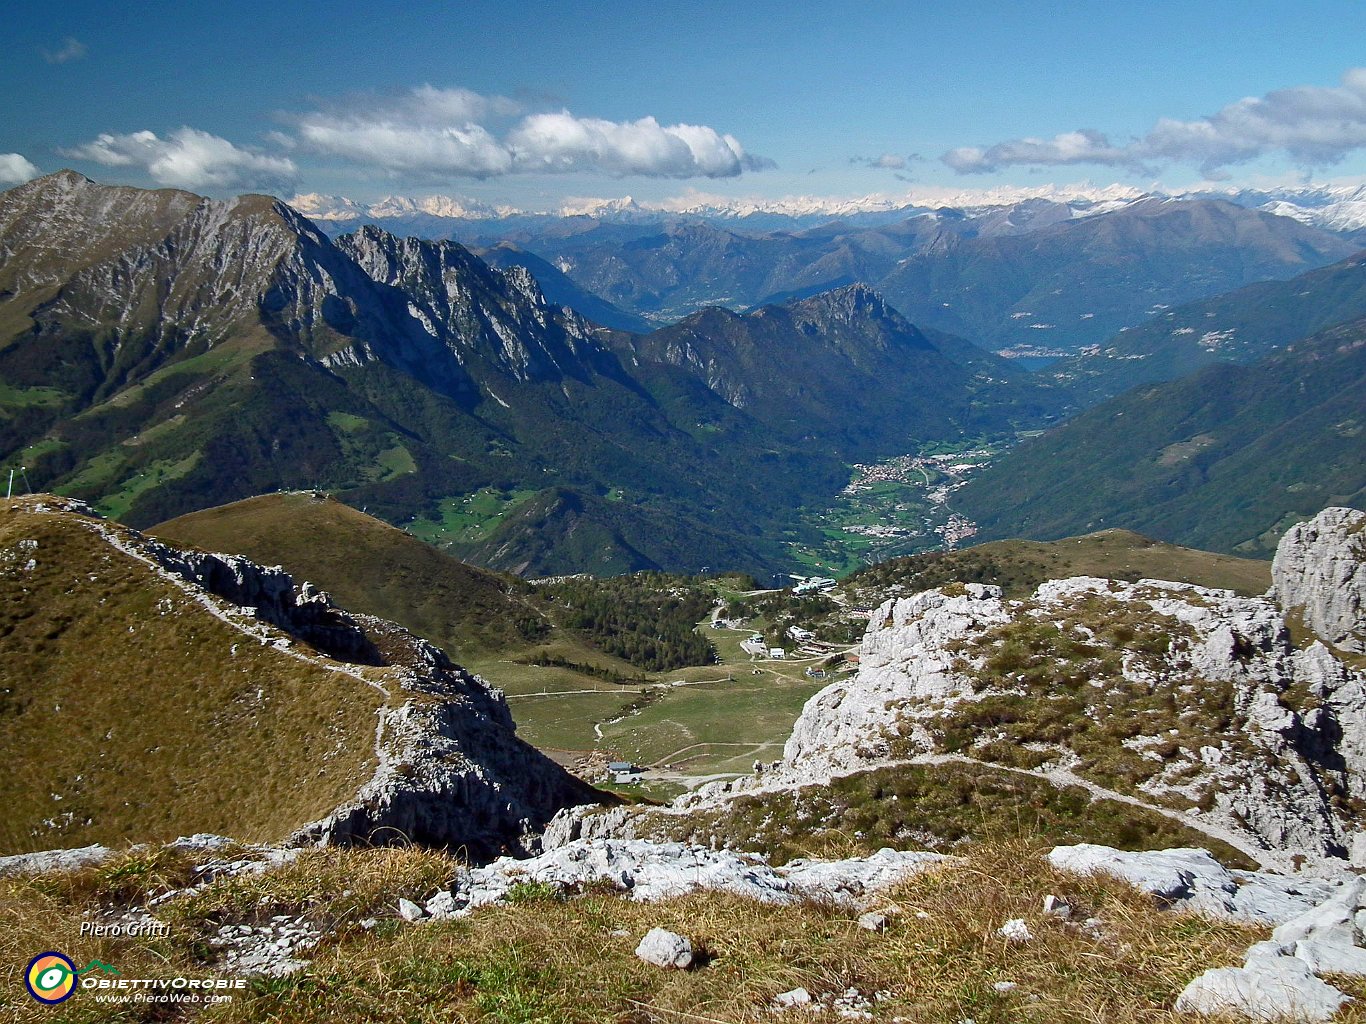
x: 451, y: 770
x: 905, y: 656
x: 1320, y: 572
x: 273, y: 596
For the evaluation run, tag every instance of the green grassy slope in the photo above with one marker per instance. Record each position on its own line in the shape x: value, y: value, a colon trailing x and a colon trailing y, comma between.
x: 128, y: 711
x: 368, y: 565
x: 1018, y: 566
x: 1225, y: 459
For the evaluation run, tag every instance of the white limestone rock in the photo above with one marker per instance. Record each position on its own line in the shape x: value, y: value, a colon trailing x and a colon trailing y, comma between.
x: 588, y: 821
x: 797, y: 997
x: 410, y: 911
x: 1331, y: 921
x: 54, y: 860
x: 1319, y: 570
x: 1055, y: 907
x: 903, y: 657
x: 274, y: 949
x: 664, y: 948
x: 1192, y: 878
x: 1328, y: 958
x: 653, y: 871
x: 1268, y: 988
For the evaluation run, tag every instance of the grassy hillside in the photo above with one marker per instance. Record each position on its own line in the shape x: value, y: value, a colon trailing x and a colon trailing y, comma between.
x: 1018, y: 566
x: 1225, y: 459
x: 128, y: 710
x: 369, y: 566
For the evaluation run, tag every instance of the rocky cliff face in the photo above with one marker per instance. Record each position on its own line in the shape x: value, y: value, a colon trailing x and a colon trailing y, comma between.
x: 451, y: 771
x: 499, y: 319
x: 1320, y: 573
x: 1187, y: 699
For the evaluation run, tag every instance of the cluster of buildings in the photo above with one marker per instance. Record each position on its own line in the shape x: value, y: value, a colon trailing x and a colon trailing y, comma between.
x: 812, y: 584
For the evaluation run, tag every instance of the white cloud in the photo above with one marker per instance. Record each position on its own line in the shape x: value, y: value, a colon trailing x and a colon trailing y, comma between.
x: 1079, y: 147
x: 563, y: 142
x: 15, y: 169
x: 443, y: 132
x: 72, y: 49
x: 430, y: 104
x: 188, y: 158
x: 1314, y: 125
x: 470, y: 150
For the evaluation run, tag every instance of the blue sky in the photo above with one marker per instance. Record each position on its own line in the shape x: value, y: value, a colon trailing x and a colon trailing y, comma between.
x: 527, y: 104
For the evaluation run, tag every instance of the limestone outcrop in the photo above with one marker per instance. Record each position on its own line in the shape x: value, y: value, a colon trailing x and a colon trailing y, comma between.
x: 451, y: 770
x: 1320, y: 573
x: 649, y: 871
x: 1192, y: 701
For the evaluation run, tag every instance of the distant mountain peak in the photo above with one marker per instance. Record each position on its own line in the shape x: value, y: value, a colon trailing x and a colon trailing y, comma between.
x: 854, y: 305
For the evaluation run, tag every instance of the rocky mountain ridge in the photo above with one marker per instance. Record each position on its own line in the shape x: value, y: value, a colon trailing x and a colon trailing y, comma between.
x: 1028, y: 275
x: 436, y: 757
x: 186, y: 352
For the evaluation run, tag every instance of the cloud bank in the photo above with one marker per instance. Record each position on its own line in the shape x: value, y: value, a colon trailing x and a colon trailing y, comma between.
x: 455, y: 132
x: 428, y: 134
x: 188, y: 158
x: 1315, y: 125
x: 15, y: 169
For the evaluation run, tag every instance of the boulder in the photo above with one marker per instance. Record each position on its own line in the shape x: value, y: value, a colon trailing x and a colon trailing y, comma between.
x: 664, y: 948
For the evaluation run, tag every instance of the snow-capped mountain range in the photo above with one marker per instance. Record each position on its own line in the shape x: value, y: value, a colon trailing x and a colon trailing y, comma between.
x: 1339, y: 208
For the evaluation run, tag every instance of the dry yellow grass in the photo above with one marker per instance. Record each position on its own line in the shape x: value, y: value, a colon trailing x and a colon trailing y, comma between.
x: 128, y: 712
x: 549, y: 959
